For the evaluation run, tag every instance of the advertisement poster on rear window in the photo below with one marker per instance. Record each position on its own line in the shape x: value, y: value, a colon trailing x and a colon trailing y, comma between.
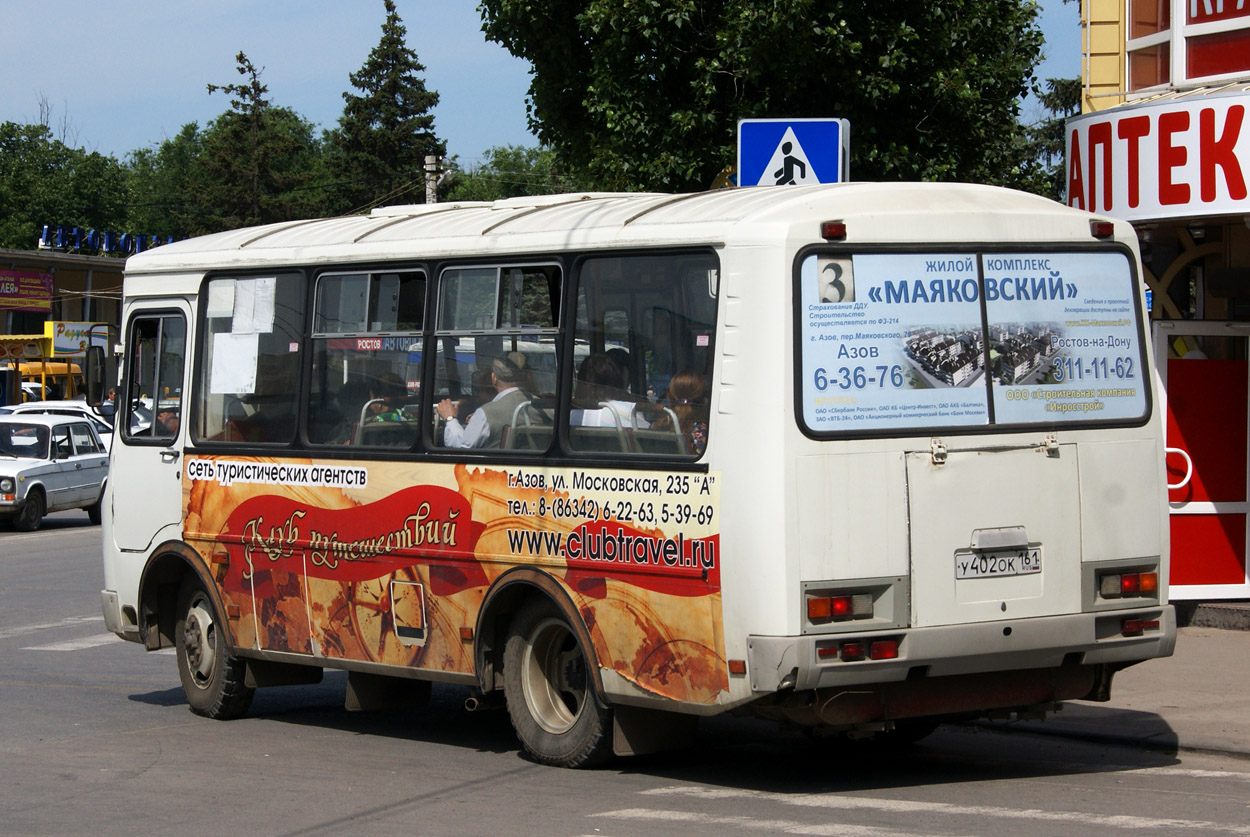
x: 891, y: 341
x: 1064, y: 342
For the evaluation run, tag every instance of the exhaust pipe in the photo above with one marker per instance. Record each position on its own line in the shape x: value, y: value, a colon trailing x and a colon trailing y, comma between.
x: 482, y: 702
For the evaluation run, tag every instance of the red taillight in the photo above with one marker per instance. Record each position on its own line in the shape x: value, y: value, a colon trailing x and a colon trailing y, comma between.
x: 856, y: 650
x: 852, y: 651
x: 884, y: 649
x: 1137, y: 627
x: 1128, y: 585
x: 839, y: 607
x: 1101, y: 229
x: 833, y: 230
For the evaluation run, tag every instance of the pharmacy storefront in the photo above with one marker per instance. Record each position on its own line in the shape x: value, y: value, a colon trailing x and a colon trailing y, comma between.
x: 1176, y: 163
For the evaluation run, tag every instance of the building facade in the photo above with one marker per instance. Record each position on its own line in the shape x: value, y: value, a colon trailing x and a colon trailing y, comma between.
x: 41, y: 285
x: 1163, y: 141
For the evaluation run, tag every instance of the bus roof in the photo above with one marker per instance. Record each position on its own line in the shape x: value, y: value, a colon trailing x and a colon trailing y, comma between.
x: 874, y: 212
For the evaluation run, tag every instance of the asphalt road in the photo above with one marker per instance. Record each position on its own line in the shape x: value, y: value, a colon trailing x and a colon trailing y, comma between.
x: 95, y: 737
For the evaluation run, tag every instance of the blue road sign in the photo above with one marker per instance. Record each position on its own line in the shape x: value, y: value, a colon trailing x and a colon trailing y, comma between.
x: 785, y: 152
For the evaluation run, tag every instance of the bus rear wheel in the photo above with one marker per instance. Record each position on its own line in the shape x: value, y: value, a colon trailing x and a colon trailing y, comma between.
x: 212, y: 678
x: 551, y: 699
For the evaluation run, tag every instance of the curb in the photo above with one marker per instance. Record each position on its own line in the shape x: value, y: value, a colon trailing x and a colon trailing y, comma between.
x: 1229, y: 616
x: 1118, y: 739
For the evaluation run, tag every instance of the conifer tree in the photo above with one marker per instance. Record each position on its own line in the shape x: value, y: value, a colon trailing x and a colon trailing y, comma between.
x: 387, y: 130
x: 256, y: 158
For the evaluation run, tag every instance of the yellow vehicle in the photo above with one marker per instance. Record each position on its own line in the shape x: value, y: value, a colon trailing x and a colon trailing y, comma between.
x: 50, y: 380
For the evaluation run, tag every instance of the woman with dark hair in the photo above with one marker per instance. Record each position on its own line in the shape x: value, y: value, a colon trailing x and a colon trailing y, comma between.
x: 687, y: 398
x: 601, y: 396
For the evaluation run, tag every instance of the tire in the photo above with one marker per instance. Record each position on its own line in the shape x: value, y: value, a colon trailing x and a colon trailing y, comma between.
x: 212, y: 677
x: 550, y: 695
x: 94, y: 513
x: 31, y: 515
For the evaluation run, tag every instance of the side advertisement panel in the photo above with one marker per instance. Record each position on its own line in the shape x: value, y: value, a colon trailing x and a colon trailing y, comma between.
x: 386, y: 562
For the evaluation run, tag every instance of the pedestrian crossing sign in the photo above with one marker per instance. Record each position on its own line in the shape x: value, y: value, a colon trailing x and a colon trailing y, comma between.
x: 788, y: 152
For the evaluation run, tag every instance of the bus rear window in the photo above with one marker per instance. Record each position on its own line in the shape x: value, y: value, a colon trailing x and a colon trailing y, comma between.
x: 894, y: 342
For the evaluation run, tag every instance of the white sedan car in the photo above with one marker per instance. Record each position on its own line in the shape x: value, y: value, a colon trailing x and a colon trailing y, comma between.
x: 77, y: 409
x: 49, y: 463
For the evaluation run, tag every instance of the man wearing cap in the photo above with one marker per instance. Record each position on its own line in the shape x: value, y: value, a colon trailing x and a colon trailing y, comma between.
x: 485, y: 426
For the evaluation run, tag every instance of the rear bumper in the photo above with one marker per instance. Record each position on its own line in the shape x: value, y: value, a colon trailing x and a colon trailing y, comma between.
x: 1082, y: 639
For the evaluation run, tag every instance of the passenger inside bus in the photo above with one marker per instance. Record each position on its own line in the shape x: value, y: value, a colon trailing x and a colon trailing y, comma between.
x: 386, y: 399
x: 687, y: 412
x: 486, y: 426
x: 623, y: 361
x: 601, y: 396
x: 167, y: 423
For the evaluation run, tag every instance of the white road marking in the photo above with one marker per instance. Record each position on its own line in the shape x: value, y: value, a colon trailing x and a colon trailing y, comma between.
x: 82, y: 644
x: 1084, y: 820
x: 1189, y: 773
x: 72, y: 621
x: 772, y: 826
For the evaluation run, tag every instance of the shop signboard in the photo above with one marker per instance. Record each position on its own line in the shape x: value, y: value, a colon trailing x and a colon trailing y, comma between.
x: 23, y: 290
x: 1172, y: 159
x: 72, y: 339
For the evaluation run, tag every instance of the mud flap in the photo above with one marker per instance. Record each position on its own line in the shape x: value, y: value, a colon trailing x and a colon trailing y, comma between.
x: 636, y: 732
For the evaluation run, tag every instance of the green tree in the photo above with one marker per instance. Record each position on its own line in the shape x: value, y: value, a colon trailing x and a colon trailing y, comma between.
x: 1045, y: 144
x: 44, y: 181
x: 385, y: 133
x: 646, y: 94
x: 164, y: 184
x: 258, y: 163
x: 507, y: 171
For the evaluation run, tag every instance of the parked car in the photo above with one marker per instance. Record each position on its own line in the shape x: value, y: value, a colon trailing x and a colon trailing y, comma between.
x: 49, y: 463
x: 78, y: 409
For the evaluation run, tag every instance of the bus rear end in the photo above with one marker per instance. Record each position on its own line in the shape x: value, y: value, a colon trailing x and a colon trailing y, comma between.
x: 979, y: 479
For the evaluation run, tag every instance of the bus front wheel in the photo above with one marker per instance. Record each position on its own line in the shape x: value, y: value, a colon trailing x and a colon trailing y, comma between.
x: 550, y: 696
x: 212, y: 677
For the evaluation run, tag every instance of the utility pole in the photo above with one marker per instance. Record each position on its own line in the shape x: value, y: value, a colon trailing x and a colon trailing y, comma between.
x: 431, y: 179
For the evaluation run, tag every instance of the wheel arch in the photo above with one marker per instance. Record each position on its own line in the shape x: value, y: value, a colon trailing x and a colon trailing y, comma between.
x: 34, y: 485
x: 505, y: 598
x: 158, y: 593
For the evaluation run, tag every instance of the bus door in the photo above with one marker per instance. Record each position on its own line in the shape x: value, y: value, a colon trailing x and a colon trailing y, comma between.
x: 1204, y: 371
x: 993, y: 533
x: 146, y: 470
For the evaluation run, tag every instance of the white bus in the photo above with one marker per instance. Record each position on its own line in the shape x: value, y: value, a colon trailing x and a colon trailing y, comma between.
x: 861, y: 458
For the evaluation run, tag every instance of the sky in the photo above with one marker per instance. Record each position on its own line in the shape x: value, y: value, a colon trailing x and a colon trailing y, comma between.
x: 119, y: 75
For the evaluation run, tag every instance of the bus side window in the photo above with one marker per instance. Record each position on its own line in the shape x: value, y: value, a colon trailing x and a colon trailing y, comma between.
x: 366, y: 369
x: 249, y: 375
x: 643, y: 386
x: 497, y: 364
